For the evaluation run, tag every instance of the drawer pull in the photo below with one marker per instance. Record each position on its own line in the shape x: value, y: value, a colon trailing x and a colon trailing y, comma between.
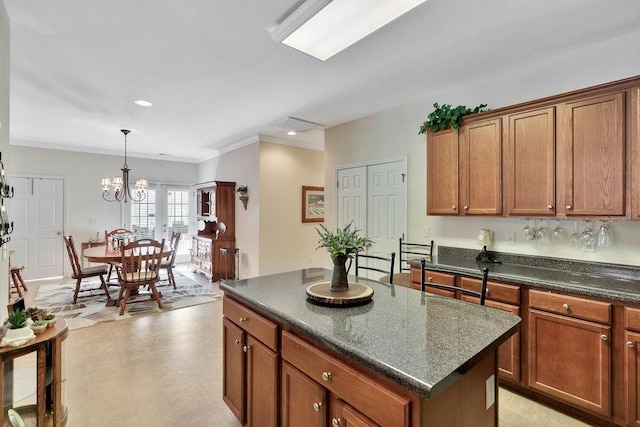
x: 336, y: 422
x: 326, y: 376
x: 565, y: 306
x: 243, y: 319
x: 245, y: 348
x: 317, y: 406
x: 569, y: 207
x: 237, y: 341
x: 466, y: 208
x: 430, y: 279
x: 453, y: 207
x: 630, y: 344
x: 604, y: 337
x: 549, y: 207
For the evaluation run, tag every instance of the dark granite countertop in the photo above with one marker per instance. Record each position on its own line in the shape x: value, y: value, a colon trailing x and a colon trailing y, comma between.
x: 608, y: 281
x: 420, y: 341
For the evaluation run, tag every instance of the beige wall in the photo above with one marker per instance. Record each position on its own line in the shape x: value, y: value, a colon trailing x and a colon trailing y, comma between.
x: 4, y: 137
x: 285, y: 242
x: 395, y: 132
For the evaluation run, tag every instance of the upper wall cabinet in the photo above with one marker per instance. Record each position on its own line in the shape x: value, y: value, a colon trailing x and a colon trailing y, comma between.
x: 481, y: 167
x: 530, y: 159
x: 633, y: 126
x: 592, y: 150
x: 442, y: 173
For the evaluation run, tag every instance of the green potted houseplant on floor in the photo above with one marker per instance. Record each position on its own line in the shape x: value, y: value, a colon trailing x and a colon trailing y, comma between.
x: 342, y: 244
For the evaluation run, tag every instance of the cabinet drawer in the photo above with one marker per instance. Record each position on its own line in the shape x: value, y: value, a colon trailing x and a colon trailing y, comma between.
x: 436, y: 277
x: 363, y: 393
x: 632, y: 318
x: 580, y: 308
x: 509, y: 294
x: 254, y: 324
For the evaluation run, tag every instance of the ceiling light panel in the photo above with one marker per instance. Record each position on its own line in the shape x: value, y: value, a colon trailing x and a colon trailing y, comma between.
x: 338, y: 24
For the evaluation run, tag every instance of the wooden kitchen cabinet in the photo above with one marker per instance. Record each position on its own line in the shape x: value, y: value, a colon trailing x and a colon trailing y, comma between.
x: 480, y: 170
x: 304, y: 402
x: 250, y: 365
x: 530, y: 165
x: 569, y: 350
x: 343, y: 415
x: 442, y: 173
x: 592, y: 156
x: 632, y: 365
x: 433, y: 277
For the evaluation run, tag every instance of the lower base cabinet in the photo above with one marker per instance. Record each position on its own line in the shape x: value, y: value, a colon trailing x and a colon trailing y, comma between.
x: 304, y: 402
x: 632, y: 377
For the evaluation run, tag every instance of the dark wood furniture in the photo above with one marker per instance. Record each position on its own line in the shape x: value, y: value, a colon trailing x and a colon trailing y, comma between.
x: 215, y: 206
x: 50, y: 409
x: 80, y: 273
x: 169, y: 262
x: 15, y: 270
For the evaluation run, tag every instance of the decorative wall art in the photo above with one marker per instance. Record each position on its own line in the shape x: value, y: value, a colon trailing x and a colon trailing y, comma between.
x: 312, y: 204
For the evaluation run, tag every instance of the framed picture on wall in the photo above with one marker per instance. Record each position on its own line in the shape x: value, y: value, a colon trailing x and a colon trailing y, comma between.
x: 312, y: 204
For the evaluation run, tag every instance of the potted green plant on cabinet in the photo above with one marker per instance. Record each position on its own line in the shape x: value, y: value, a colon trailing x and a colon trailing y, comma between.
x: 444, y: 117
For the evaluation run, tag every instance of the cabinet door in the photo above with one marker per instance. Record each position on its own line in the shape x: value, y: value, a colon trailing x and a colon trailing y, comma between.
x: 531, y: 163
x: 233, y: 369
x: 481, y: 168
x: 304, y: 402
x: 570, y: 359
x: 592, y: 137
x: 442, y: 173
x: 343, y: 415
x: 634, y: 134
x: 509, y: 351
x: 632, y: 377
x: 262, y: 384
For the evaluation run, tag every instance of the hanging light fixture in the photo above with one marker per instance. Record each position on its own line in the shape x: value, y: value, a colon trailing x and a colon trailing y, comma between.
x: 120, y: 185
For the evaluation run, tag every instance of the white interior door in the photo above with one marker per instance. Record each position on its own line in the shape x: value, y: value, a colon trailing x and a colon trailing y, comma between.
x: 374, y: 198
x: 37, y: 212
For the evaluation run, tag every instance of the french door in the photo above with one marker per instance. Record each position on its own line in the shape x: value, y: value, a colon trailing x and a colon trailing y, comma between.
x: 164, y: 210
x: 373, y: 197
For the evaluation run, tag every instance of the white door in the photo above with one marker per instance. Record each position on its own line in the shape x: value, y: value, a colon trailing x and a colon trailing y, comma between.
x: 37, y: 212
x: 374, y: 198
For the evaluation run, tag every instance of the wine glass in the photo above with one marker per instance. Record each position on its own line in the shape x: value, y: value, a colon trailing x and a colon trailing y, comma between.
x: 528, y: 232
x: 574, y: 239
x: 542, y: 234
x: 559, y: 234
x: 605, y: 236
x: 588, y: 238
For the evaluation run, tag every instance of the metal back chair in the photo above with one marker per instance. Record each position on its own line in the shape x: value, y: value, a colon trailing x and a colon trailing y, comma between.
x: 376, y: 261
x: 409, y: 251
x: 140, y: 266
x: 80, y: 273
x: 482, y: 294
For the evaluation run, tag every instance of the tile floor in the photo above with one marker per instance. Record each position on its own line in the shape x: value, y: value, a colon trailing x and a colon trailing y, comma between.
x: 165, y: 370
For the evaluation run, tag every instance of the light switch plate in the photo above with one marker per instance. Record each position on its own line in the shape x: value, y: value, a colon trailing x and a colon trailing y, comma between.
x: 426, y: 232
x: 510, y: 238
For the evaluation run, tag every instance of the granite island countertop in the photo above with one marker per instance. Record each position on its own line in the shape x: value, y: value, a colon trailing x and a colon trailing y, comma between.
x: 420, y: 341
x: 608, y: 281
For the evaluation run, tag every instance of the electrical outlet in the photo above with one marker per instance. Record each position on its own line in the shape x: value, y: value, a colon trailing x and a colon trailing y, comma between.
x: 510, y: 238
x: 426, y: 232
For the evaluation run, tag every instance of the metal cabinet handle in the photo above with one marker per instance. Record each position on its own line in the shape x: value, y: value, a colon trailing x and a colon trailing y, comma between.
x: 245, y: 348
x: 569, y: 207
x: 326, y: 376
x: 317, y: 406
x: 430, y: 279
x: 630, y: 344
x: 549, y: 207
x: 466, y: 208
x: 243, y: 319
x: 336, y: 422
x: 604, y: 337
x: 237, y: 342
x: 565, y: 306
x: 453, y: 207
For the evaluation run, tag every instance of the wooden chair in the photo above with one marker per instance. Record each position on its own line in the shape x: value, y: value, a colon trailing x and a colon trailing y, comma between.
x: 169, y: 263
x: 482, y: 294
x: 80, y: 273
x: 16, y: 278
x: 372, y: 263
x: 140, y: 266
x: 107, y: 235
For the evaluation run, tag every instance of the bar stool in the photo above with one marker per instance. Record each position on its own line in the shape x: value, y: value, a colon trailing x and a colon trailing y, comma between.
x: 16, y: 277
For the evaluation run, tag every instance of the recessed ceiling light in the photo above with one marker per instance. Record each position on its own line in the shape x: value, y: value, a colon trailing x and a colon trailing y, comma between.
x: 143, y: 103
x: 291, y: 133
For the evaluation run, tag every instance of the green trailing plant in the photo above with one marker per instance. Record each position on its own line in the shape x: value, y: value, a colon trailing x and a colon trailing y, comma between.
x: 343, y: 241
x: 444, y: 117
x: 17, y: 319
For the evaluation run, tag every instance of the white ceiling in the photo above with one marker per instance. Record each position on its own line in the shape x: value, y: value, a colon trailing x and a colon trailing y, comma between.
x: 217, y: 79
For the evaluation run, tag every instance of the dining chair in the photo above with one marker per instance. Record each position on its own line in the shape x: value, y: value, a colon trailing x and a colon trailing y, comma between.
x: 80, y: 273
x: 107, y: 235
x: 140, y: 266
x: 169, y: 262
x: 373, y: 262
x: 482, y: 294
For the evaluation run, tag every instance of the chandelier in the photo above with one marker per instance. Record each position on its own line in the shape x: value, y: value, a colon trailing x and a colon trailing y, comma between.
x: 120, y: 185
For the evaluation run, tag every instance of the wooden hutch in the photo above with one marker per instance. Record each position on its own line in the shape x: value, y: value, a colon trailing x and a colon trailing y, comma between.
x: 215, y: 205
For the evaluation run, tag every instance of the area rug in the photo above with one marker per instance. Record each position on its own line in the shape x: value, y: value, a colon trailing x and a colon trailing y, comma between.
x: 88, y: 311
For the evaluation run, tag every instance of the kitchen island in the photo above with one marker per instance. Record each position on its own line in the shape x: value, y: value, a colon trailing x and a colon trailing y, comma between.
x: 406, y: 358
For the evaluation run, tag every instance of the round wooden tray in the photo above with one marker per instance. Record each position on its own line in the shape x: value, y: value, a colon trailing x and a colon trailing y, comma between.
x: 357, y: 294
